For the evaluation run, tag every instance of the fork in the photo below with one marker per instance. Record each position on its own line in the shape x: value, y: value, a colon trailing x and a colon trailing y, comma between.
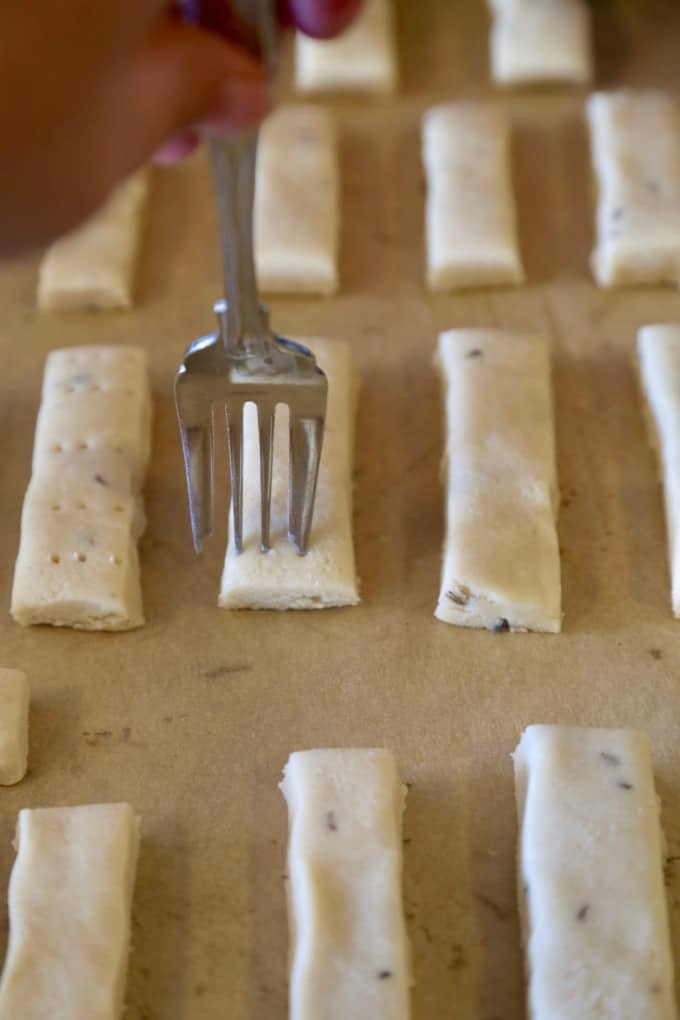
x: 244, y: 361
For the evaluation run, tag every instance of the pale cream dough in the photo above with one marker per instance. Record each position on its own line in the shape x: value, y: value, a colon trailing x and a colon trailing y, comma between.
x: 635, y: 151
x: 471, y: 231
x: 297, y: 202
x: 501, y: 564
x: 591, y: 885
x: 362, y: 59
x: 78, y: 564
x: 14, y: 703
x: 349, y: 954
x: 70, y: 897
x: 326, y: 575
x: 94, y: 266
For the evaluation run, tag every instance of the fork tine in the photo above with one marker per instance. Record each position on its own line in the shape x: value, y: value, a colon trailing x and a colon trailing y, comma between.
x: 234, y: 415
x: 266, y: 415
x: 196, y: 429
x: 197, y: 447
x: 306, y: 437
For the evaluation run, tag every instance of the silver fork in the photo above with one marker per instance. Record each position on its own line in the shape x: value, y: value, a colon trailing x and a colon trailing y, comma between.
x: 245, y: 362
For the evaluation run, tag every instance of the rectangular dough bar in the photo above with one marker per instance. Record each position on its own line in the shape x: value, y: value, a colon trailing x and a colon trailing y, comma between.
x: 280, y: 578
x: 78, y: 564
x: 591, y: 886
x: 470, y: 209
x: 297, y: 202
x: 362, y: 59
x: 659, y: 367
x: 349, y: 948
x: 70, y: 898
x: 501, y: 566
x: 635, y: 151
x: 94, y: 265
x: 533, y: 41
x: 14, y: 700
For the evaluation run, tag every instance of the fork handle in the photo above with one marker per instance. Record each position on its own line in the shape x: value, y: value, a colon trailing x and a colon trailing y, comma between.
x: 243, y: 324
x: 243, y: 327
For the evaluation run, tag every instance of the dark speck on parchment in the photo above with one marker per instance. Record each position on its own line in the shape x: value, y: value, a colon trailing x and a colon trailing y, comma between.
x: 227, y: 670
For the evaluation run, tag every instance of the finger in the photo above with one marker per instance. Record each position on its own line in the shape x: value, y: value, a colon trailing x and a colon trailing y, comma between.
x: 177, y: 76
x: 106, y: 26
x: 183, y: 75
x: 323, y: 18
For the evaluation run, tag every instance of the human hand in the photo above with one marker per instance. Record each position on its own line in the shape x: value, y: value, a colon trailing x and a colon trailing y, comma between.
x: 91, y: 90
x: 319, y: 18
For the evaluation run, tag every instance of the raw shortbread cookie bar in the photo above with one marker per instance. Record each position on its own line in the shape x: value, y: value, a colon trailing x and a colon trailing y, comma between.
x: 470, y: 213
x: 591, y: 887
x: 78, y: 564
x: 635, y: 150
x: 280, y: 578
x: 501, y: 565
x: 14, y: 699
x: 349, y: 949
x: 70, y: 897
x: 362, y: 59
x: 94, y: 266
x: 659, y: 366
x: 297, y: 202
x: 536, y: 41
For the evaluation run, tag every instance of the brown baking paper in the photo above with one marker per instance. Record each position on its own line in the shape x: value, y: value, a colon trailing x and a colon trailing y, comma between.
x: 192, y: 717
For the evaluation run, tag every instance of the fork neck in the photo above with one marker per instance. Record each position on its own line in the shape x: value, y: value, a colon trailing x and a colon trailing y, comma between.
x: 242, y: 324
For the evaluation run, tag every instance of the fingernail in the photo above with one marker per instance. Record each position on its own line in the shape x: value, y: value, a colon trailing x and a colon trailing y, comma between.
x: 177, y: 148
x: 323, y: 18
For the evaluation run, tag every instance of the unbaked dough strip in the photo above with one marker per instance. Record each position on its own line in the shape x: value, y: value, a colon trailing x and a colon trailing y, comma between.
x: 535, y: 41
x: 94, y: 266
x: 470, y: 210
x: 14, y: 700
x: 635, y: 150
x: 78, y: 564
x: 349, y: 949
x: 297, y: 202
x: 501, y: 565
x: 659, y: 366
x: 280, y: 578
x: 591, y: 887
x: 362, y: 59
x: 70, y: 897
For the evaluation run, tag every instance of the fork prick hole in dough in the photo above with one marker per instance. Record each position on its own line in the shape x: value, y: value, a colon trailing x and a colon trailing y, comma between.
x: 56, y: 448
x: 81, y: 444
x: 115, y: 560
x: 80, y: 557
x: 81, y: 506
x: 56, y: 507
x: 55, y: 558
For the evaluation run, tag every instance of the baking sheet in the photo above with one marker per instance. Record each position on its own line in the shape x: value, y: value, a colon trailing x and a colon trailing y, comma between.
x: 192, y: 717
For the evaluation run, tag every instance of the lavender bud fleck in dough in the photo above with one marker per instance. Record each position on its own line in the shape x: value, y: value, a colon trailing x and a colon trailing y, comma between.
x: 576, y: 836
x: 355, y: 956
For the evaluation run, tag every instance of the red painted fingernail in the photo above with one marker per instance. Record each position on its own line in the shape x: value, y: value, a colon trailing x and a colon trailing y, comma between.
x: 177, y: 148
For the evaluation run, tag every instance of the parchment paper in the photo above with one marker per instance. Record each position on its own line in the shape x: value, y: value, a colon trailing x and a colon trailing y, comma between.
x: 192, y: 717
